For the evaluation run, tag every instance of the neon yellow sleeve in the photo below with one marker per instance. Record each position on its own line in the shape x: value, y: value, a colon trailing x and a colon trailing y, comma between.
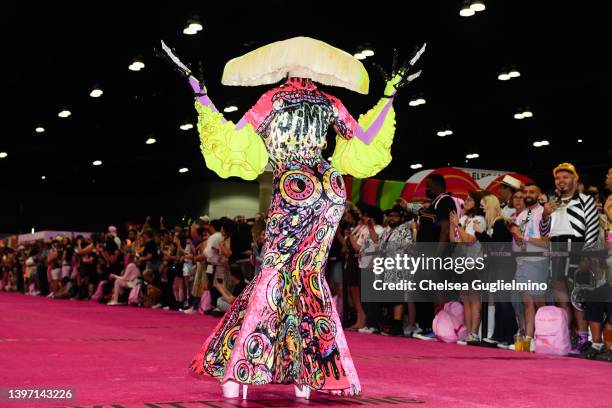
x: 228, y: 151
x: 362, y: 160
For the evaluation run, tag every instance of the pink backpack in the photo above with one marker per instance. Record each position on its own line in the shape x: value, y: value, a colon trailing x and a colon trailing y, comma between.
x: 551, y: 331
x: 135, y: 298
x: 99, y: 294
x: 205, y: 302
x: 448, y: 323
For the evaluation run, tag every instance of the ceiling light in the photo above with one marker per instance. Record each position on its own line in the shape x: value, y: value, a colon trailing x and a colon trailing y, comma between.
x: 64, y: 113
x: 441, y: 133
x: 230, y: 109
x: 367, y: 52
x: 360, y: 56
x: 478, y: 5
x: 413, y: 103
x: 43, y: 177
x: 519, y: 116
x: 186, y: 126
x: 472, y: 156
x: 196, y: 26
x: 579, y: 140
x: 514, y: 73
x: 97, y: 162
x: 416, y: 166
x: 421, y: 101
x: 466, y: 10
x: 190, y: 31
x: 40, y: 129
x: 183, y: 170
x: 541, y: 143
x: 96, y: 93
x: 3, y: 155
x: 527, y: 114
x: 503, y: 77
x: 137, y: 65
x: 150, y: 141
x: 449, y: 132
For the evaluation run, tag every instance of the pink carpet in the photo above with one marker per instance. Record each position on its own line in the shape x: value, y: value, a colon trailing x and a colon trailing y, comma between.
x: 129, y: 357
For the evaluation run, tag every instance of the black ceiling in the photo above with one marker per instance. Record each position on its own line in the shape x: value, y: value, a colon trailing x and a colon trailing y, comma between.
x: 55, y: 54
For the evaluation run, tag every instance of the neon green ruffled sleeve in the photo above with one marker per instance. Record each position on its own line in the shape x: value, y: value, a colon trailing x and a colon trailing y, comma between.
x: 228, y: 151
x: 354, y: 157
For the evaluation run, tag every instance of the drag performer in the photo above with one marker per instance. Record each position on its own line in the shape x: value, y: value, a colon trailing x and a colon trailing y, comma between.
x: 284, y: 328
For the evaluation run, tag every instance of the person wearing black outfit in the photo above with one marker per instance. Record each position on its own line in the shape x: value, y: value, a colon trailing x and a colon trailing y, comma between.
x: 433, y: 238
x: 498, y: 239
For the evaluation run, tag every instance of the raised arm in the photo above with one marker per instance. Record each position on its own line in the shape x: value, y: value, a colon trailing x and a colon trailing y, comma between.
x: 363, y: 147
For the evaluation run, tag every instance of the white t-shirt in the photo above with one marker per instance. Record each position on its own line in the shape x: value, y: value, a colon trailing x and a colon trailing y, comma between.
x: 212, y: 251
x: 468, y: 223
x: 560, y: 222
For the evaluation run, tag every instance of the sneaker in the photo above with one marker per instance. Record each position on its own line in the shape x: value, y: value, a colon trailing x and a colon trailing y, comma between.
x: 581, y: 346
x: 157, y: 306
x: 191, y: 310
x: 470, y: 338
x: 503, y: 345
x: 409, y: 331
x: 427, y: 336
x: 490, y: 340
x: 367, y: 330
x: 166, y: 308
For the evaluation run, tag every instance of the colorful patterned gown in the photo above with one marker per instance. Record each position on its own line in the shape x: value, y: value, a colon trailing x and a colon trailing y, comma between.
x: 284, y: 328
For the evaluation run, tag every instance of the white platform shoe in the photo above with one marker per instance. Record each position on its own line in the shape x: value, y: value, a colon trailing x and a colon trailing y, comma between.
x: 231, y: 389
x: 302, y: 391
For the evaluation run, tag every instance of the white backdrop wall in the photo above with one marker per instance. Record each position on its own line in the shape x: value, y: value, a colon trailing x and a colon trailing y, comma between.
x: 231, y: 199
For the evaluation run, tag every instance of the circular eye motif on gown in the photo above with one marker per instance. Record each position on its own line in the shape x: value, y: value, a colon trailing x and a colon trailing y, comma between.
x: 300, y: 188
x: 333, y: 183
x: 325, y: 328
x: 243, y: 371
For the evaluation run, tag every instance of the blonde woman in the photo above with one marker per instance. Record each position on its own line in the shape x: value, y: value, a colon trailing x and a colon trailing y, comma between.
x: 498, y: 239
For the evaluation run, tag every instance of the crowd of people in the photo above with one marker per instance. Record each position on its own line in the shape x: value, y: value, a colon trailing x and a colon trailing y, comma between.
x: 203, y: 267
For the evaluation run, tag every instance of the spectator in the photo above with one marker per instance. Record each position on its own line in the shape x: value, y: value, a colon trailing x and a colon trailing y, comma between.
x: 526, y: 238
x: 463, y: 233
x: 507, y: 188
x: 571, y: 223
x: 395, y: 240
x: 238, y: 284
x: 499, y: 239
x: 128, y: 280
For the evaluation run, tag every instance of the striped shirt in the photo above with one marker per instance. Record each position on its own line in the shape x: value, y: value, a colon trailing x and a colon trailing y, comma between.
x: 583, y: 219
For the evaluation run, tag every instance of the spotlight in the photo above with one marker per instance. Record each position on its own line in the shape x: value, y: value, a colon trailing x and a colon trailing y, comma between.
x: 183, y: 170
x: 186, y: 126
x: 96, y: 93
x: 230, y: 109
x: 503, y: 77
x: 195, y: 26
x: 441, y: 133
x: 97, y: 162
x: 478, y: 5
x: 40, y: 129
x: 416, y: 166
x: 541, y: 143
x: 190, y: 31
x: 150, y: 141
x: 519, y: 116
x: 579, y: 140
x: 3, y: 155
x: 472, y: 156
x: 449, y: 132
x: 421, y: 101
x: 360, y: 56
x: 43, y: 177
x: 527, y: 114
x: 64, y: 113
